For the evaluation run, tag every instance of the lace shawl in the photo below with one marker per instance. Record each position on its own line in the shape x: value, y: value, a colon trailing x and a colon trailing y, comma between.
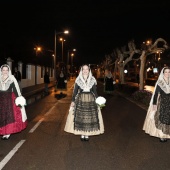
x: 88, y: 84
x: 163, y: 85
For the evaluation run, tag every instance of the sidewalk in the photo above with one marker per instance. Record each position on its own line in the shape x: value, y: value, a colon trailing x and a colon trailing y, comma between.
x: 149, y: 88
x: 31, y: 90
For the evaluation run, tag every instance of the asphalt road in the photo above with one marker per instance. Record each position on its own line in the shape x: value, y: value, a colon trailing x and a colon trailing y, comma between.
x: 44, y: 145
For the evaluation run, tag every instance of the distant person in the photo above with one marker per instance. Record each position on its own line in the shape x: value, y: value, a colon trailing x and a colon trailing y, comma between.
x: 13, y: 119
x: 46, y: 82
x: 108, y: 82
x: 17, y: 75
x: 61, y: 81
x: 157, y: 121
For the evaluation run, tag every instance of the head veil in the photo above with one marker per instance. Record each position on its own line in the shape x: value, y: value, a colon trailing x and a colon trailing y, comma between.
x: 9, y: 80
x: 109, y: 74
x: 161, y: 82
x: 90, y: 80
x: 9, y: 72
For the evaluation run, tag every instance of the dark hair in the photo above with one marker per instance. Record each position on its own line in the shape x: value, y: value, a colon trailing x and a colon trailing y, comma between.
x: 4, y: 65
x: 165, y: 69
x: 88, y: 65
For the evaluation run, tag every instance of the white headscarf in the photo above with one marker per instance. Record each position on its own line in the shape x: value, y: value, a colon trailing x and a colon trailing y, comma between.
x: 108, y: 74
x: 9, y: 80
x: 61, y: 74
x: 90, y: 80
x: 163, y: 85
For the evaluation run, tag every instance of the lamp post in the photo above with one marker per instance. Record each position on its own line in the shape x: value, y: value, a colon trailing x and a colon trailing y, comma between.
x: 72, y: 55
x: 158, y: 60
x: 55, y: 51
x: 62, y: 41
x: 68, y: 56
x: 37, y: 50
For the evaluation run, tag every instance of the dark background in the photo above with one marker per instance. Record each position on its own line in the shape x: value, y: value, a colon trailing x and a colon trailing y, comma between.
x: 96, y: 28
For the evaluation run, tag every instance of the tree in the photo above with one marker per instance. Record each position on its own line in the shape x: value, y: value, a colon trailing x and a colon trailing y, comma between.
x: 125, y: 56
x: 147, y: 49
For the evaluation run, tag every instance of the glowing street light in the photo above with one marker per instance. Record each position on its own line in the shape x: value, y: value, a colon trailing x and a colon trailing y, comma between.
x: 68, y: 55
x: 37, y: 49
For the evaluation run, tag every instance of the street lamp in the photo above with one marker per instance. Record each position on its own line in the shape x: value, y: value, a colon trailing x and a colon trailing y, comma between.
x: 55, y: 43
x: 62, y: 40
x: 68, y: 56
x: 37, y: 49
x: 72, y: 55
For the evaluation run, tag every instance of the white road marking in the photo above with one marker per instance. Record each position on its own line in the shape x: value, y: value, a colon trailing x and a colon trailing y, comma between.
x: 10, y: 154
x: 49, y: 111
x: 36, y: 125
x: 39, y: 122
x: 71, y: 87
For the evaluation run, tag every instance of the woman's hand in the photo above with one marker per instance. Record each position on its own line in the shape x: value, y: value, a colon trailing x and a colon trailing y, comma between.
x: 72, y: 104
x: 155, y: 107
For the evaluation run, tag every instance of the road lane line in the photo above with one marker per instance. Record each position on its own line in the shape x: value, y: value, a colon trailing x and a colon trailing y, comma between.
x: 10, y: 154
x: 71, y: 87
x: 39, y: 122
x: 36, y: 125
x: 49, y: 111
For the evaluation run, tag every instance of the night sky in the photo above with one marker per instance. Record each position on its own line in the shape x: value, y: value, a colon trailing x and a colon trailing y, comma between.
x: 96, y: 28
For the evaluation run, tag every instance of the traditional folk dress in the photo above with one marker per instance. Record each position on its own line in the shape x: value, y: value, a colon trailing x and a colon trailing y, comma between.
x: 13, y: 119
x: 85, y: 117
x: 108, y: 83
x: 157, y: 123
x: 61, y: 81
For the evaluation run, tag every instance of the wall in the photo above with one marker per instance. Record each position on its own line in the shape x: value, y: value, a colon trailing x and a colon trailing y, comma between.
x: 34, y: 74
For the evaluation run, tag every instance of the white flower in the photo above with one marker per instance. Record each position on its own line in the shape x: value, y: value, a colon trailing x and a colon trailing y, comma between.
x: 20, y: 101
x: 65, y: 81
x: 101, y: 101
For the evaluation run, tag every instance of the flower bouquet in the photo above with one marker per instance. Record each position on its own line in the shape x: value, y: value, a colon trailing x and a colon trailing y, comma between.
x: 114, y: 82
x: 20, y: 101
x: 101, y: 101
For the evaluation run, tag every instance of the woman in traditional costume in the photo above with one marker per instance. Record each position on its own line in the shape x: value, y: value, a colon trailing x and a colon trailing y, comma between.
x: 108, y: 82
x: 84, y: 116
x: 13, y: 118
x: 61, y: 81
x: 157, y: 121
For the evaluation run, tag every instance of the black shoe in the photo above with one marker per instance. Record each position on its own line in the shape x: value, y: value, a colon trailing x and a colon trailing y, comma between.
x: 162, y: 140
x: 86, y: 139
x: 82, y: 138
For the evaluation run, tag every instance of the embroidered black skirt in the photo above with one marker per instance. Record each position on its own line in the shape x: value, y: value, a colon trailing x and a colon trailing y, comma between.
x: 86, y: 113
x: 162, y: 117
